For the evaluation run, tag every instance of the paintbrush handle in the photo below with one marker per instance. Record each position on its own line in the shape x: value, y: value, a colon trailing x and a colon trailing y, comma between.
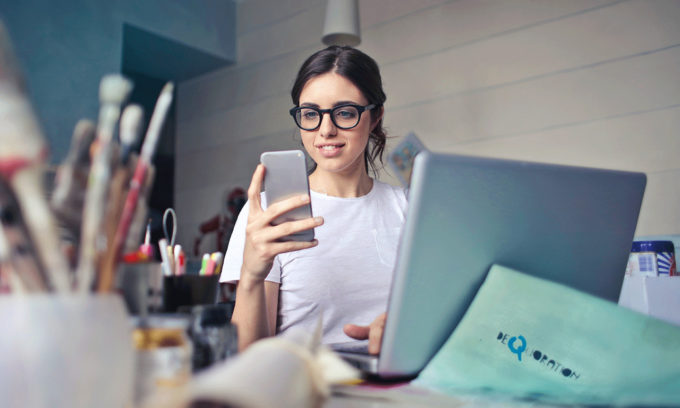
x: 108, y: 268
x: 42, y: 227
x: 17, y: 253
x: 138, y: 179
x: 92, y: 219
x: 156, y: 123
x: 113, y: 91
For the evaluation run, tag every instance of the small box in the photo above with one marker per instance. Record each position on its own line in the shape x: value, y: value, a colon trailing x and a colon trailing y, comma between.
x: 656, y: 296
x: 652, y: 258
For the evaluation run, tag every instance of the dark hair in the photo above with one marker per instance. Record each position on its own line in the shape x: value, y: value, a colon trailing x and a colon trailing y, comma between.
x: 364, y: 73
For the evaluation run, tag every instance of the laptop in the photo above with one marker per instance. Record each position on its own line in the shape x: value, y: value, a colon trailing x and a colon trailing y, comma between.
x: 571, y: 225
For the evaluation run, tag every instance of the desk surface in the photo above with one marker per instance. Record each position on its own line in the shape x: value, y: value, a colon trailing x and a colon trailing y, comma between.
x: 410, y: 396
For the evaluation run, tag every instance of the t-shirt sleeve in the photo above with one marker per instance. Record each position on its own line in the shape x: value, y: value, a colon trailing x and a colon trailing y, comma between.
x: 233, y: 259
x: 401, y: 195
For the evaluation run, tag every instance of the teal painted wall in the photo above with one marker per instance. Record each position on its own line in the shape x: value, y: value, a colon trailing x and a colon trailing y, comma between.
x: 66, y: 47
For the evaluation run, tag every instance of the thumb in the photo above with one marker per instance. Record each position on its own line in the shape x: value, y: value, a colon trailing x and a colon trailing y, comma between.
x: 356, y: 332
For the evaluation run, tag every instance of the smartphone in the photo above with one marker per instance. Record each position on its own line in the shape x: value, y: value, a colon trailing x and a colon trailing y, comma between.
x: 285, y: 177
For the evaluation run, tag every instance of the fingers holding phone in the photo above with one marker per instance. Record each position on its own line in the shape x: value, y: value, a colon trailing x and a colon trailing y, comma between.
x: 295, y: 228
x: 279, y: 210
x: 286, y: 224
x: 254, y: 189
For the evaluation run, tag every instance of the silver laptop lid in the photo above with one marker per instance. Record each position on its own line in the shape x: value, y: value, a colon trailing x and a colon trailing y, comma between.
x: 571, y: 225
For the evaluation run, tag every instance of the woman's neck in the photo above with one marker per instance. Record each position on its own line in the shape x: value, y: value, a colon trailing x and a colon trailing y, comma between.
x: 355, y: 184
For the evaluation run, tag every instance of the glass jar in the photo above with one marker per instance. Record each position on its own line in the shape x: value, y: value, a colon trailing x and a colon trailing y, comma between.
x: 163, y: 354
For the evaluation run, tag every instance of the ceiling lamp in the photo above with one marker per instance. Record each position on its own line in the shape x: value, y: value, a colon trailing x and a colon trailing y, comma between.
x: 342, y: 23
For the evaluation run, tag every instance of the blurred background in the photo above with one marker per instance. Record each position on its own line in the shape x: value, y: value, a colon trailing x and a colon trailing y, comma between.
x: 582, y: 82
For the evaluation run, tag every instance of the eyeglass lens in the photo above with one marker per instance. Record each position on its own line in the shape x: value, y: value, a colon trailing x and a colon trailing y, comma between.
x: 344, y: 117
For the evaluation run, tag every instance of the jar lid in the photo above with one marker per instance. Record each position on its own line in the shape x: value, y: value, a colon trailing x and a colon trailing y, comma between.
x: 161, y: 320
x: 653, y: 246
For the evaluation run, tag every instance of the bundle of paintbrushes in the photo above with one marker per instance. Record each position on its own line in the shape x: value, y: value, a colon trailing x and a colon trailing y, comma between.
x: 74, y: 242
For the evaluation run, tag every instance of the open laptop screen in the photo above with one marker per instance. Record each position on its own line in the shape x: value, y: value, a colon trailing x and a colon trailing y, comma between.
x: 571, y: 225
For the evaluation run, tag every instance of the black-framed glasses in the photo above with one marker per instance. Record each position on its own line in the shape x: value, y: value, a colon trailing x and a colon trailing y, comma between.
x: 344, y: 116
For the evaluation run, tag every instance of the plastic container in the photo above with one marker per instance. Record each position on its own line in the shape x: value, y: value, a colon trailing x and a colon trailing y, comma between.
x: 65, y: 351
x: 142, y: 286
x: 188, y: 291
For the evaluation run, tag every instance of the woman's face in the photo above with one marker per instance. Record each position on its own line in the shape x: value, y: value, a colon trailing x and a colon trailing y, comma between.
x: 333, y: 149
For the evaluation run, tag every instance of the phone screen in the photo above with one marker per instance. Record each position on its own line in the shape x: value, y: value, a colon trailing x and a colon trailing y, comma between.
x: 285, y: 177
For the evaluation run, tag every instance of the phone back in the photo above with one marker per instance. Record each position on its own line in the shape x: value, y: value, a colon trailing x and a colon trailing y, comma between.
x: 285, y: 177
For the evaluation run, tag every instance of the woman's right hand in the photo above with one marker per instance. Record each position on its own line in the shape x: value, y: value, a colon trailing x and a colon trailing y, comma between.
x: 262, y: 237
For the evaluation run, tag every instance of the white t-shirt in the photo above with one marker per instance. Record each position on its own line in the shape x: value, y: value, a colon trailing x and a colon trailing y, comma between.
x: 347, y: 276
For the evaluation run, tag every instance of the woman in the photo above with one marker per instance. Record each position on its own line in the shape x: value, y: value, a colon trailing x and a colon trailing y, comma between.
x: 344, y: 275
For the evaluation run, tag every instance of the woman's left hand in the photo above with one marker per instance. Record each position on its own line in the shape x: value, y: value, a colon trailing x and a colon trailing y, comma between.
x: 372, y: 332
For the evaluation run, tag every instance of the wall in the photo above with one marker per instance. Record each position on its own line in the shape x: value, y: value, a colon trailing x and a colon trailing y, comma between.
x: 65, y: 47
x: 583, y: 82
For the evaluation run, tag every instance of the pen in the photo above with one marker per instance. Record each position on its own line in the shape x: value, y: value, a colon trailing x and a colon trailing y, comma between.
x: 204, y: 264
x: 171, y: 259
x: 218, y: 257
x: 179, y: 260
x: 210, y: 268
x: 165, y: 261
x: 182, y: 262
x: 146, y: 247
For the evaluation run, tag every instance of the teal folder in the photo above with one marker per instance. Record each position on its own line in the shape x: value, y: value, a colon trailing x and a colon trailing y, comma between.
x: 532, y: 339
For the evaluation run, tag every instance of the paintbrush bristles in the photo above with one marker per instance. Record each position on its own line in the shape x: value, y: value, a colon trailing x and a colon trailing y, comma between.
x: 83, y: 136
x: 130, y: 124
x: 71, y: 181
x: 114, y: 89
x: 156, y: 123
x: 21, y: 137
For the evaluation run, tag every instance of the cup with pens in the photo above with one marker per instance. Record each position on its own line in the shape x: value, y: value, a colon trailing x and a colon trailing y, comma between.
x: 186, y: 283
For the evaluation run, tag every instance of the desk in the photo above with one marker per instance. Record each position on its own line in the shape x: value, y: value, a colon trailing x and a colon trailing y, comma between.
x: 410, y: 396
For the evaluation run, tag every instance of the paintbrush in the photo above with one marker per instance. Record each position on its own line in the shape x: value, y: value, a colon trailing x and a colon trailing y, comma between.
x: 9, y: 281
x: 23, y: 154
x: 113, y: 91
x: 18, y: 252
x: 129, y: 130
x: 141, y: 213
x: 137, y: 183
x: 7, y: 284
x: 71, y: 182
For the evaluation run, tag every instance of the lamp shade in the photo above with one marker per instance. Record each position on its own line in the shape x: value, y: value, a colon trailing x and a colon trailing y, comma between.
x: 341, y: 26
